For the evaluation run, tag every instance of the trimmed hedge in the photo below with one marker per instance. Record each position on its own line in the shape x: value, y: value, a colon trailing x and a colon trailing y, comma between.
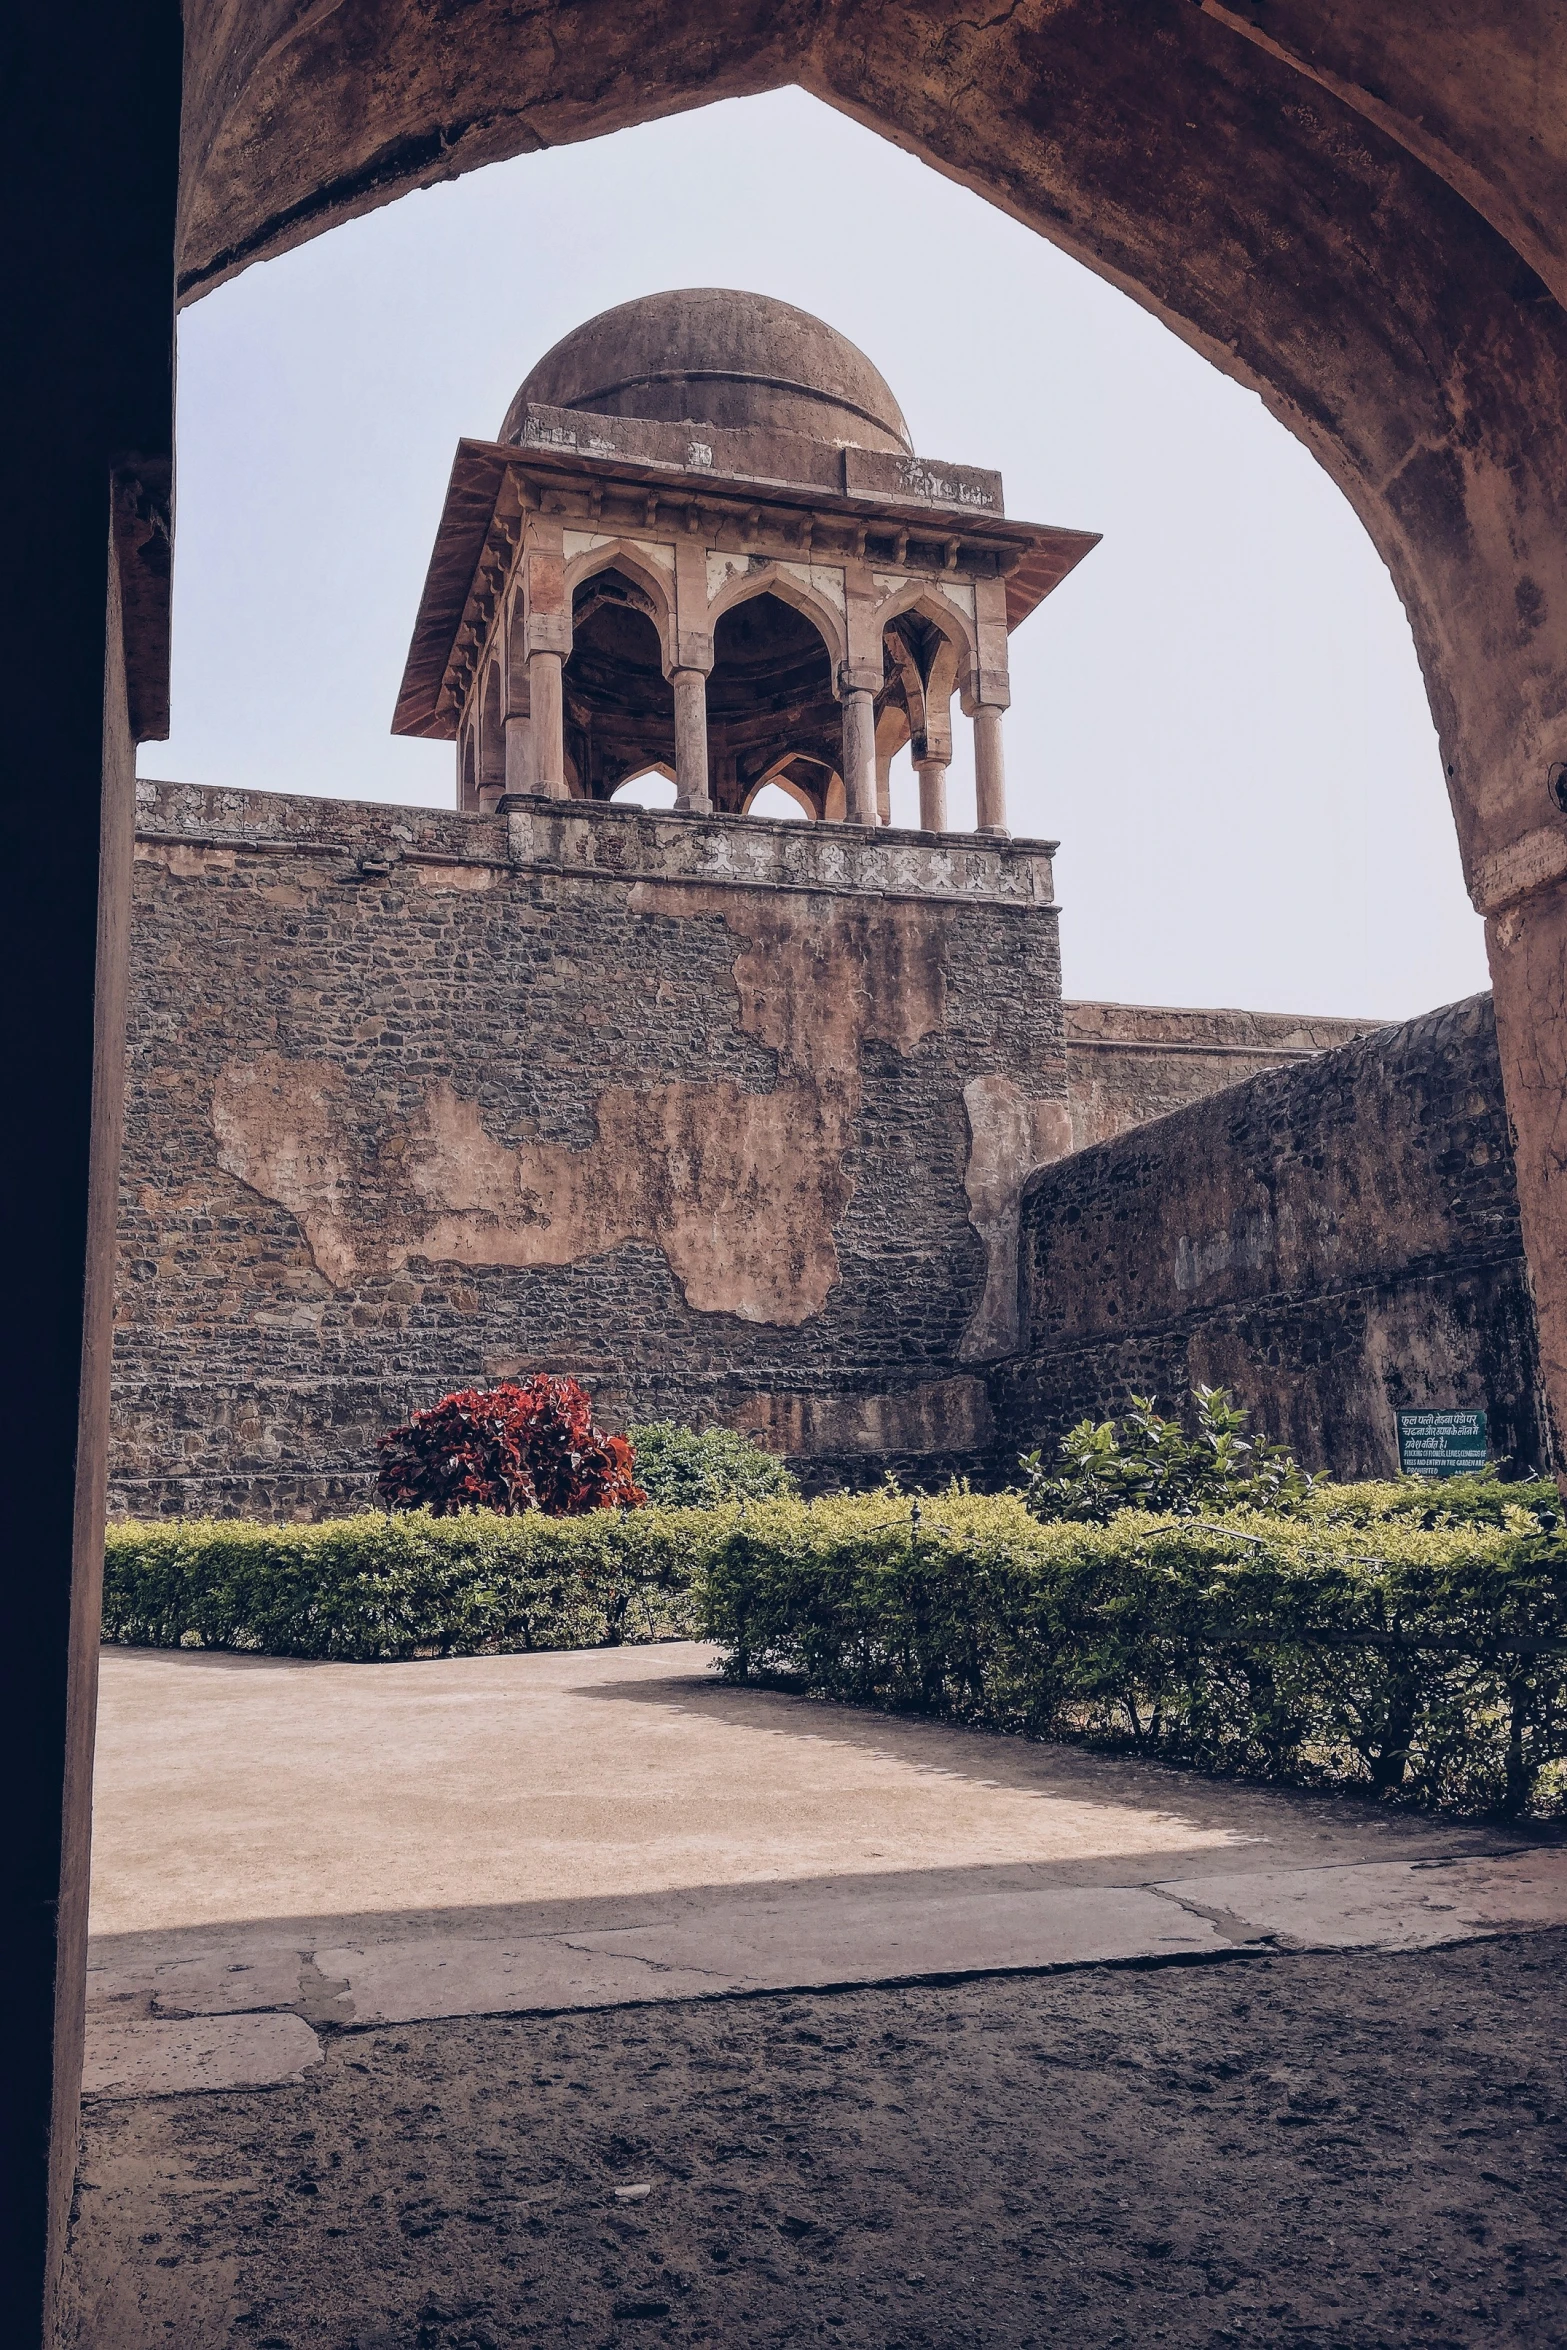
x: 1409, y: 1639
x: 1353, y: 1645
x: 373, y: 1588
x: 1527, y: 1506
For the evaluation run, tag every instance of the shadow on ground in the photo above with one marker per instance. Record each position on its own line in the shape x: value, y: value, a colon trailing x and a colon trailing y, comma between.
x: 1362, y: 2151
x: 1048, y: 1766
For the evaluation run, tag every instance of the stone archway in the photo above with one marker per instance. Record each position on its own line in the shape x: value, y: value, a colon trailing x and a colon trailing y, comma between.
x: 1358, y: 213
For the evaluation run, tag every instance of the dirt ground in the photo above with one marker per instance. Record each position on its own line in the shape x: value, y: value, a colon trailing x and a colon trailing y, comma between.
x: 1357, y: 2150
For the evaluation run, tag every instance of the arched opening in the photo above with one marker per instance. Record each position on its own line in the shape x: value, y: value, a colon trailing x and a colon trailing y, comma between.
x: 776, y: 801
x: 619, y: 709
x: 923, y: 655
x: 653, y: 787
x: 794, y: 788
x: 770, y: 687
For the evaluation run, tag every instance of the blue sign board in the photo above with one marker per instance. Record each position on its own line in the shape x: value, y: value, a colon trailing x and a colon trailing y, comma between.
x: 1441, y: 1444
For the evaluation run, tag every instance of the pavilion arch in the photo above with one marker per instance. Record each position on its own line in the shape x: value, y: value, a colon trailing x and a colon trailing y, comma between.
x: 660, y: 767
x: 771, y: 579
x: 960, y: 662
x: 791, y: 791
x: 636, y: 570
x: 779, y: 777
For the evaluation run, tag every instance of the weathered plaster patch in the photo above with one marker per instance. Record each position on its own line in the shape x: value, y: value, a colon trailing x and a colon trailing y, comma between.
x: 655, y: 552
x: 1009, y: 1136
x: 582, y: 542
x: 825, y: 578
x: 1248, y: 1248
x: 814, y: 978
x: 941, y: 1415
x: 741, y: 1190
x: 288, y: 1129
x: 722, y: 568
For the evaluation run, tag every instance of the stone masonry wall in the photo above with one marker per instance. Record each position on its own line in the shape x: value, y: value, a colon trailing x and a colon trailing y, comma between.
x: 1127, y: 1063
x: 1330, y: 1241
x: 728, y: 1117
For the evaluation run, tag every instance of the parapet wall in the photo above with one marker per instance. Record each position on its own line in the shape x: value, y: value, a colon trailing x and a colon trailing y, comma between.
x: 1332, y: 1240
x: 728, y: 1117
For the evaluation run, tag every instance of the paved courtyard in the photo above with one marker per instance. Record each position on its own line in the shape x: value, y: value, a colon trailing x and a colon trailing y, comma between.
x: 582, y: 1997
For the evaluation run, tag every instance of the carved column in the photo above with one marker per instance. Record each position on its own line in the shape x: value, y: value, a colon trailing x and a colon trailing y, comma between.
x: 933, y: 794
x: 990, y: 777
x: 691, y: 785
x: 859, y: 755
x: 547, y: 725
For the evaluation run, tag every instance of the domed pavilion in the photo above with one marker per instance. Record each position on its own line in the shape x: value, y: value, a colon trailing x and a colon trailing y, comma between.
x: 704, y: 547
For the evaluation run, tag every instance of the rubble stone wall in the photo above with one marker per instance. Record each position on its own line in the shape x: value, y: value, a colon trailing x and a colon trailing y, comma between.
x: 1127, y: 1063
x: 728, y: 1117
x: 1331, y: 1240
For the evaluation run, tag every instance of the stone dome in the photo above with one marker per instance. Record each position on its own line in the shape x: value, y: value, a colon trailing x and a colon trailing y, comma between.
x: 706, y: 355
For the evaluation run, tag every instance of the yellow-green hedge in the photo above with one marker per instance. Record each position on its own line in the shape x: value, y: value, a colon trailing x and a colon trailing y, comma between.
x: 375, y: 1588
x: 1351, y: 1644
x: 1410, y: 1639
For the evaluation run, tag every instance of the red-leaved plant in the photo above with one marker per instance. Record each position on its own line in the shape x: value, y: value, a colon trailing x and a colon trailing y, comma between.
x: 529, y: 1446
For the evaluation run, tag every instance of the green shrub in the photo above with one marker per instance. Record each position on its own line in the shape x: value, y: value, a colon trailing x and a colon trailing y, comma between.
x: 686, y: 1468
x: 1143, y: 1461
x: 375, y: 1588
x: 1428, y: 1663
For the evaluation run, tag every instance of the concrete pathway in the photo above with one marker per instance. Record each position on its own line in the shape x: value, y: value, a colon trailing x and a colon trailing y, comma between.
x: 281, y: 1847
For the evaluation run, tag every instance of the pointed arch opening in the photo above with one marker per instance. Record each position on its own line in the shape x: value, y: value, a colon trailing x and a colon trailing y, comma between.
x: 619, y: 706
x: 772, y: 714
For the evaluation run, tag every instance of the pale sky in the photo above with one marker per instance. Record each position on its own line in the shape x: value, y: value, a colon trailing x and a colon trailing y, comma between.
x: 1220, y: 715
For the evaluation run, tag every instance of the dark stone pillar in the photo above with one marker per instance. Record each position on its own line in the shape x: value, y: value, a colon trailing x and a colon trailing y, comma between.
x: 90, y: 99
